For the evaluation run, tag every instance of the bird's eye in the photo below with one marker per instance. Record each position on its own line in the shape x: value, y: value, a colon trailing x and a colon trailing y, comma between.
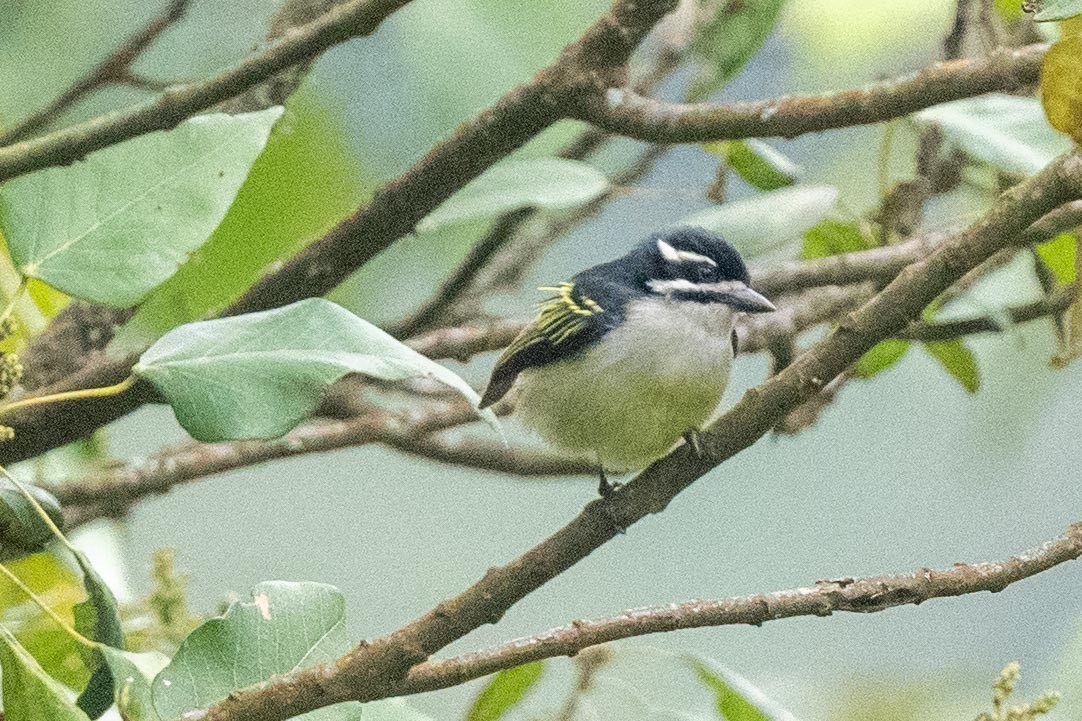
x: 706, y: 273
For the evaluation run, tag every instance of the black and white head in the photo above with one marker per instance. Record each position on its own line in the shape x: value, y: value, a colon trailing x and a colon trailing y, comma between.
x: 690, y: 264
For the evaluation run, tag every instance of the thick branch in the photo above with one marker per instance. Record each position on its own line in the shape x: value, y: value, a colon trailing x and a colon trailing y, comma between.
x: 600, y: 55
x: 354, y: 19
x: 374, y: 669
x: 864, y: 595
x: 626, y: 113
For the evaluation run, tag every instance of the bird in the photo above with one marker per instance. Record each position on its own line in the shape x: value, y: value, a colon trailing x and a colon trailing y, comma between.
x: 631, y: 355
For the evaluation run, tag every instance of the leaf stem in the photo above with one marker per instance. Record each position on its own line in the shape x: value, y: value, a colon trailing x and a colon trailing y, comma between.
x: 102, y: 392
x: 10, y: 307
x: 40, y: 603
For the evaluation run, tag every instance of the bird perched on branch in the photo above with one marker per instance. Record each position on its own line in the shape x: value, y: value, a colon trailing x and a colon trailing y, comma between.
x: 631, y: 355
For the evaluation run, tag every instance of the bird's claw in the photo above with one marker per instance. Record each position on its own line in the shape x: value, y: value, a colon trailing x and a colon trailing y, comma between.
x: 691, y: 437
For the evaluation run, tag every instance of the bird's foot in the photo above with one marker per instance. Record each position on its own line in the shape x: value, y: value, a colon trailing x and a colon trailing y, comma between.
x: 605, y: 487
x: 691, y: 437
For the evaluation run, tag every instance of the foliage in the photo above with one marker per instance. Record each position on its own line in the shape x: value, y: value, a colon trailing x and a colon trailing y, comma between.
x: 116, y: 225
x: 725, y: 43
x: 258, y: 375
x: 1002, y: 690
x: 769, y: 221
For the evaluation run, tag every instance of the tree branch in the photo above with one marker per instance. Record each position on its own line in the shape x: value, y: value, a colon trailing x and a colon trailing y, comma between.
x: 863, y: 595
x: 83, y: 328
x: 113, y: 70
x: 626, y: 113
x: 376, y: 668
x: 354, y: 19
x: 598, y: 57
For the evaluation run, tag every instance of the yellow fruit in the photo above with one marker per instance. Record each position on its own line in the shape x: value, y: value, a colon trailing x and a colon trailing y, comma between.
x: 1061, y: 85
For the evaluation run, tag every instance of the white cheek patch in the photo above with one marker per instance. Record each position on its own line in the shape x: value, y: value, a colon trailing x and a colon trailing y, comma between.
x: 673, y: 255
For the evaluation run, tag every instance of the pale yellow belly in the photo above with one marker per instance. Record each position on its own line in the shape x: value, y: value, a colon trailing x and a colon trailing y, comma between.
x: 628, y: 404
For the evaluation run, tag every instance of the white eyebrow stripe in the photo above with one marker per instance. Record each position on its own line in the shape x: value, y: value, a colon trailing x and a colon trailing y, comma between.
x: 673, y: 255
x: 678, y: 285
x: 668, y: 252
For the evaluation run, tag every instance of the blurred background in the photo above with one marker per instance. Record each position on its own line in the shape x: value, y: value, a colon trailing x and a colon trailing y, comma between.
x: 902, y: 471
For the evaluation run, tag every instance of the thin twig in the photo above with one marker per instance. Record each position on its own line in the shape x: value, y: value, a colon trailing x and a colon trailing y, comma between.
x: 863, y: 595
x: 627, y: 113
x: 354, y: 19
x: 113, y: 70
x: 375, y: 669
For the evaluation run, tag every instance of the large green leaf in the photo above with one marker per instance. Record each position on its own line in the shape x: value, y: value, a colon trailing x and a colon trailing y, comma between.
x: 1005, y: 131
x: 54, y: 648
x: 506, y: 689
x: 736, y: 699
x: 285, y: 627
x: 22, y: 530
x: 30, y: 694
x: 768, y: 221
x: 959, y: 361
x: 726, y: 44
x: 1058, y: 10
x: 760, y: 165
x: 258, y: 375
x: 134, y: 674
x: 115, y: 225
x: 548, y: 183
x: 304, y: 181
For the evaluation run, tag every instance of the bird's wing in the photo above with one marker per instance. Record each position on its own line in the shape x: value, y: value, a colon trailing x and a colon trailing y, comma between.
x: 568, y: 322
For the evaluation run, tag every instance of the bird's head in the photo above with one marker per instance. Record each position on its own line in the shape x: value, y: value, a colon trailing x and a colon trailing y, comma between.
x: 693, y: 265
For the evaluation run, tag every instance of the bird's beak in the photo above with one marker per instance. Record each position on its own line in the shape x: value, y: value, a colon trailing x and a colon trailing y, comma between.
x: 746, y: 300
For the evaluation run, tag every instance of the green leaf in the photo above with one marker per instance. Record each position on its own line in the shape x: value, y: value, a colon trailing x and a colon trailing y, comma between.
x: 258, y: 375
x: 735, y: 697
x: 134, y: 674
x: 1007, y: 132
x: 882, y: 356
x: 113, y: 226
x: 505, y: 690
x: 759, y: 164
x: 724, y: 45
x: 30, y: 694
x: 22, y: 531
x: 1058, y: 10
x: 1059, y: 255
x: 49, y: 577
x: 959, y: 361
x: 547, y: 183
x: 285, y: 627
x: 768, y: 221
x: 833, y: 237
x: 97, y: 618
x: 304, y: 181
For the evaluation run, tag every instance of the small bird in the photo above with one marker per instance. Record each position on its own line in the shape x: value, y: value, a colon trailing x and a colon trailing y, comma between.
x: 631, y: 355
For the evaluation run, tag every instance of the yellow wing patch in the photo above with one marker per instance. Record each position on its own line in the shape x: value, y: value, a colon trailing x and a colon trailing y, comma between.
x: 561, y: 317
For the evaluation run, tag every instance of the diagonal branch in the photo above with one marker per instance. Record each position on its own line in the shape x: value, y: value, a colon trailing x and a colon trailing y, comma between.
x: 583, y: 71
x: 856, y: 595
x: 374, y: 669
x: 113, y: 70
x: 354, y: 19
x: 598, y: 57
x: 627, y: 113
